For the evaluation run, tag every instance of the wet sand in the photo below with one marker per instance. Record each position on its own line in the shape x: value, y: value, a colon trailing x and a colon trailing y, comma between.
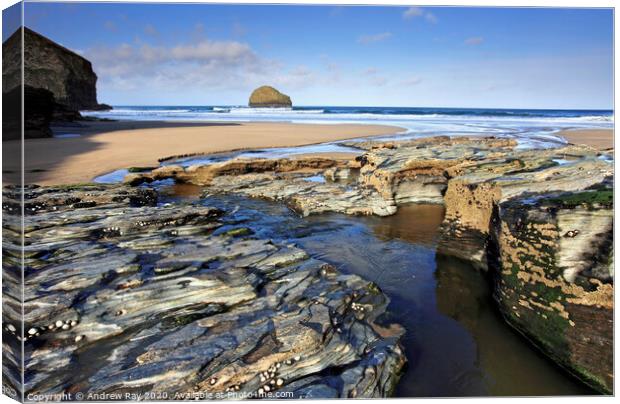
x: 601, y: 139
x: 103, y: 147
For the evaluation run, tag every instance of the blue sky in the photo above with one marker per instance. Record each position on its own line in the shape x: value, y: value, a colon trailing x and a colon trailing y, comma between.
x: 197, y: 54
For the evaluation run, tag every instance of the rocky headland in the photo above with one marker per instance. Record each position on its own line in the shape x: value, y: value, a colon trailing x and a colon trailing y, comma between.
x: 269, y: 97
x: 49, y: 69
x: 539, y: 222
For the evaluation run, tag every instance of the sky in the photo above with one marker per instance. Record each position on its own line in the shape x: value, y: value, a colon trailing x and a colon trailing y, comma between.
x: 201, y: 54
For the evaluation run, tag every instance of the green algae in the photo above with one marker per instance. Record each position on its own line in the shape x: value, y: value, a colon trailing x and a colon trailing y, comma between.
x: 241, y: 231
x: 602, y: 197
x: 374, y: 289
x: 140, y: 169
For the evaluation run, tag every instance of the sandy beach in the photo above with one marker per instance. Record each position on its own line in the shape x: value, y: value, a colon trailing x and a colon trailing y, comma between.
x: 601, y: 139
x: 103, y: 147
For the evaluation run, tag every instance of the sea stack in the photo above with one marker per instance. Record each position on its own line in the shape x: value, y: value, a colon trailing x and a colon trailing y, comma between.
x: 269, y: 97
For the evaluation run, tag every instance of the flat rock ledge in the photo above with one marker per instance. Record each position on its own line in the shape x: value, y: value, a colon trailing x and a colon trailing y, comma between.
x: 127, y: 296
x: 539, y: 221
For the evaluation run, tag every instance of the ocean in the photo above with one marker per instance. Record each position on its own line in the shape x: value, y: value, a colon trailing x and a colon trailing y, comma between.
x: 532, y: 127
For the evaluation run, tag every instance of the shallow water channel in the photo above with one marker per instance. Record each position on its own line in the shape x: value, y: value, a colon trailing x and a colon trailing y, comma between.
x: 456, y: 342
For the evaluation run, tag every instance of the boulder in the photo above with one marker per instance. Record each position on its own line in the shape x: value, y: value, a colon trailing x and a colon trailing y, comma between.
x: 269, y: 97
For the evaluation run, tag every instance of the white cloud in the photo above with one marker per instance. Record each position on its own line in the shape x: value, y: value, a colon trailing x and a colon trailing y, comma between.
x: 374, y: 78
x: 136, y: 58
x: 205, y: 65
x: 474, y: 40
x: 207, y: 51
x: 430, y: 17
x: 415, y: 12
x: 368, y: 39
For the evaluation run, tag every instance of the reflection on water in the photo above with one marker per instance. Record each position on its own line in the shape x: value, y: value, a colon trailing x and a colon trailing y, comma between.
x: 180, y: 191
x: 510, y: 365
x: 315, y: 178
x: 417, y: 224
x: 456, y: 342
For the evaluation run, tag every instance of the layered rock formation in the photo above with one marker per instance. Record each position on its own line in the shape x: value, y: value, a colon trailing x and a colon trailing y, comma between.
x: 302, y: 183
x: 176, y: 302
x: 540, y: 221
x: 269, y: 97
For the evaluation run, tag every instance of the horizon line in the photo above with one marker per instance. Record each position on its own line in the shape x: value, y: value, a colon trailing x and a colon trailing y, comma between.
x: 366, y: 106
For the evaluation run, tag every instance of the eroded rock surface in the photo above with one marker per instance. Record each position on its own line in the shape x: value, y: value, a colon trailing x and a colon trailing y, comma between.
x: 125, y: 295
x: 542, y: 219
x: 308, y: 185
x: 555, y: 278
x: 539, y: 220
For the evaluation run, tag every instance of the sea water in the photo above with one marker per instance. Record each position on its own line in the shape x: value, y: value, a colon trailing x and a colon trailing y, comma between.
x: 531, y: 127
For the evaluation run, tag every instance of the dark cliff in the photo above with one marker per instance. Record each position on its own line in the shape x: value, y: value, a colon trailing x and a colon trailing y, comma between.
x: 38, y: 113
x: 52, y: 67
x: 57, y: 82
